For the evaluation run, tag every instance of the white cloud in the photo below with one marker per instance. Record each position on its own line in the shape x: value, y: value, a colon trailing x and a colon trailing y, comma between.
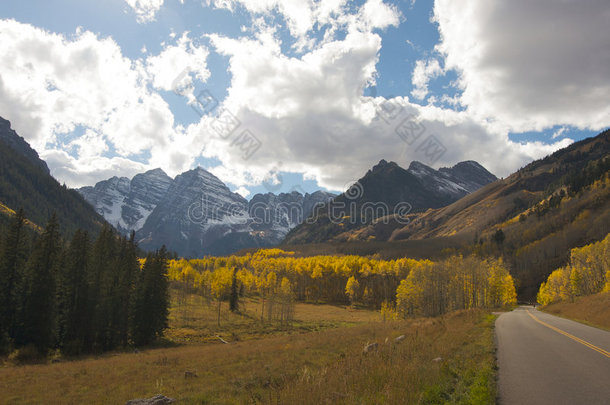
x: 244, y: 192
x: 171, y: 70
x: 529, y: 65
x: 267, y: 82
x: 77, y: 173
x: 422, y: 73
x: 559, y: 133
x: 303, y: 17
x: 310, y: 116
x: 51, y: 85
x: 145, y: 10
x: 377, y: 14
x: 307, y: 111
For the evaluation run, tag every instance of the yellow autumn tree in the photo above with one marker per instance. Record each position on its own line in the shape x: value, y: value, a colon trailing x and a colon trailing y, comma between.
x: 351, y: 289
x: 220, y: 285
x: 586, y: 274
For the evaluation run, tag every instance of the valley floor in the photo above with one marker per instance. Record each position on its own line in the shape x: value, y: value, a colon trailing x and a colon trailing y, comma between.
x: 317, y: 359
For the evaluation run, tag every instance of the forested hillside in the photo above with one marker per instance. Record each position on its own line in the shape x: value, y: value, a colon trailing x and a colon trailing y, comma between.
x: 25, y: 184
x: 587, y: 273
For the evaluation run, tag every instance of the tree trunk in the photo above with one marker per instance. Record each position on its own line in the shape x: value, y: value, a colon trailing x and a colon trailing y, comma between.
x: 219, y: 302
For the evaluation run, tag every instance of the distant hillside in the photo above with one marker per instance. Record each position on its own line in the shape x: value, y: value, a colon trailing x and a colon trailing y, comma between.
x: 388, y: 190
x: 25, y: 183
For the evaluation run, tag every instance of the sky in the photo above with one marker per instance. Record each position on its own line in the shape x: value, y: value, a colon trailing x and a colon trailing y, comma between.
x: 282, y: 95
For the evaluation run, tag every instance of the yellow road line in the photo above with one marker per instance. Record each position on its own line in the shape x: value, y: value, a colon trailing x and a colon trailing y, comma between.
x: 579, y: 340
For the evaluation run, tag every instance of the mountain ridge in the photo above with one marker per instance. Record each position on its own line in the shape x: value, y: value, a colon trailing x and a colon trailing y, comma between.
x: 195, y: 213
x: 387, y: 188
x: 26, y: 183
x: 20, y: 145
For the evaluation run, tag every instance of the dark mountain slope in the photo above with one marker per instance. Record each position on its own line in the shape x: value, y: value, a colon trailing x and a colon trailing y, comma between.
x: 19, y: 145
x: 25, y: 183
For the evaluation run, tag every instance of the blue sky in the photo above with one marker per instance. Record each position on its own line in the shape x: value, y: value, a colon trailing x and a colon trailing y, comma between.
x: 307, y: 80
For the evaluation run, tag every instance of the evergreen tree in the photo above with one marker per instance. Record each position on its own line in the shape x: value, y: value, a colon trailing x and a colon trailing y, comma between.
x: 13, y: 256
x: 499, y: 236
x: 99, y: 335
x: 129, y: 267
x: 36, y: 313
x: 151, y: 300
x: 72, y: 295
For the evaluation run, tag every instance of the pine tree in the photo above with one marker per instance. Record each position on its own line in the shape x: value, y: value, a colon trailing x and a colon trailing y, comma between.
x: 13, y: 256
x: 128, y: 271
x: 72, y: 295
x: 98, y: 336
x: 499, y: 236
x: 36, y: 314
x: 150, y: 300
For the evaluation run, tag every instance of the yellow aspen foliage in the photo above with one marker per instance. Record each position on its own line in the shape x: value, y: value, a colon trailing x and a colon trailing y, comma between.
x: 418, y: 287
x: 351, y: 289
x: 586, y: 274
x: 607, y: 286
x: 388, y: 312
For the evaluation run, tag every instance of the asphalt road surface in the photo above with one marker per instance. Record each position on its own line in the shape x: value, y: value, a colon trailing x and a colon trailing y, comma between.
x: 544, y: 359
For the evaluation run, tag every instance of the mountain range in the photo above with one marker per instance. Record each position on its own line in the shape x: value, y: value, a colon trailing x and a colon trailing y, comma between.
x: 196, y: 214
x: 388, y: 191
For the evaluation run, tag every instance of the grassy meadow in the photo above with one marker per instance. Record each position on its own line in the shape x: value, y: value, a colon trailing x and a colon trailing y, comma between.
x: 196, y: 321
x: 317, y: 358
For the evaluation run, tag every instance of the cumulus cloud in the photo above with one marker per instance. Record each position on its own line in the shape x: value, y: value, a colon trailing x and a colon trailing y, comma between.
x: 304, y: 17
x: 302, y: 113
x: 173, y: 68
x: 529, y: 65
x: 51, y: 85
x: 77, y: 173
x: 422, y: 73
x: 310, y: 117
x: 146, y: 10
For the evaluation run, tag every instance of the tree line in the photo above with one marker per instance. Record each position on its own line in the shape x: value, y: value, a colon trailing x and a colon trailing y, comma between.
x: 88, y: 295
x: 455, y: 283
x: 587, y: 273
x: 418, y: 287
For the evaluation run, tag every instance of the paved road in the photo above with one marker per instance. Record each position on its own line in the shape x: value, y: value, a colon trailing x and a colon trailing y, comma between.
x: 544, y: 359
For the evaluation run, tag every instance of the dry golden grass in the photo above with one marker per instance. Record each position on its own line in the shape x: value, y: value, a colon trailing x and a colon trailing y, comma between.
x: 593, y: 310
x: 407, y: 372
x: 316, y: 367
x: 197, y: 322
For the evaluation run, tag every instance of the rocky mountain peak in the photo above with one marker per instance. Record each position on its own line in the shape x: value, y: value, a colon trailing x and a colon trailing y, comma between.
x: 383, y: 165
